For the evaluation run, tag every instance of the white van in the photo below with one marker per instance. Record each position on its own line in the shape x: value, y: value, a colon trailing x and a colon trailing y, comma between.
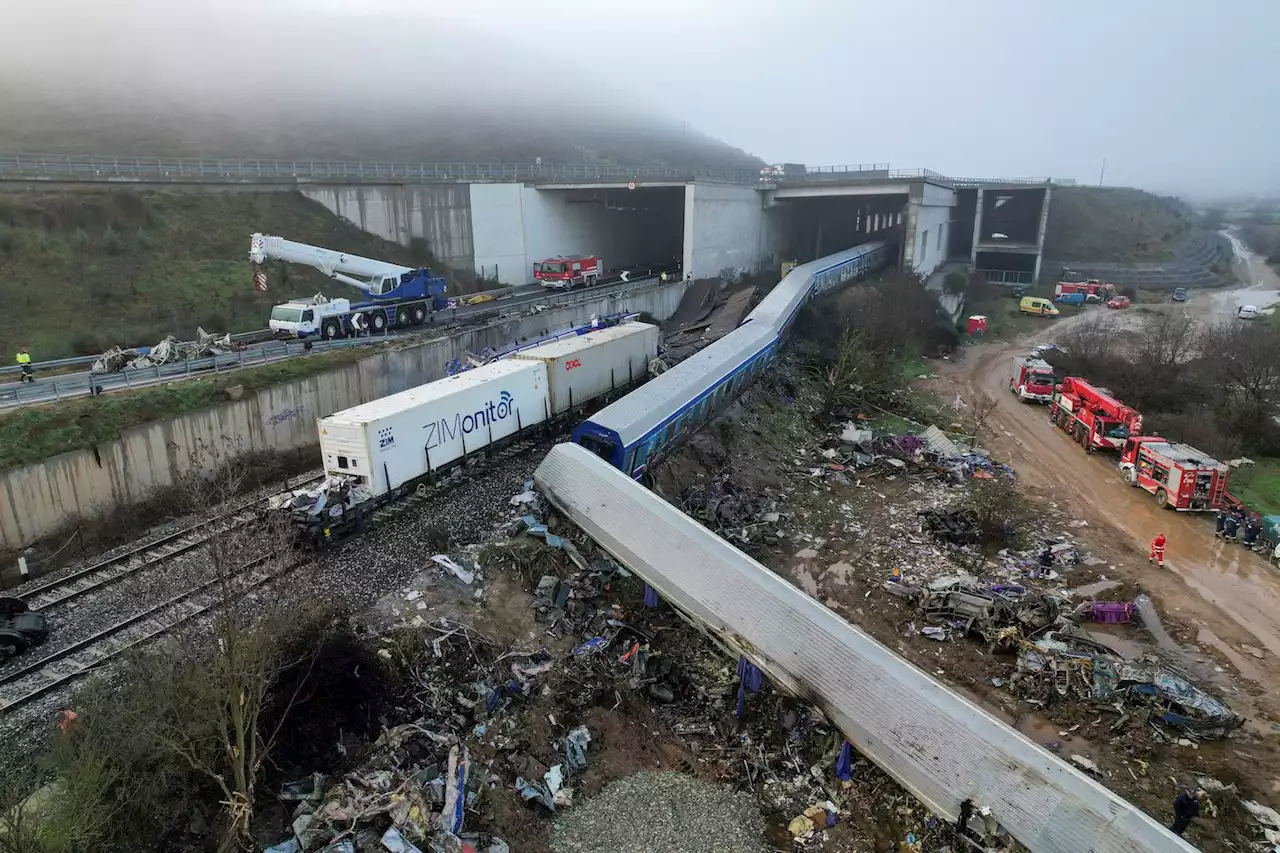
x: 1247, y: 312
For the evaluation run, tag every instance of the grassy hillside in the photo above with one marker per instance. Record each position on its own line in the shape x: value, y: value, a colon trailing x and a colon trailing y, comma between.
x: 1121, y: 226
x: 61, y: 124
x: 84, y: 270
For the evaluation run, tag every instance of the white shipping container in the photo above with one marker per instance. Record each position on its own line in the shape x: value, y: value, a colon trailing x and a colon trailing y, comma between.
x: 582, y: 367
x: 393, y: 440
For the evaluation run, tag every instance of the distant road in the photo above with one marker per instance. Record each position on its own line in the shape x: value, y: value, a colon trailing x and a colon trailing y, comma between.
x: 1262, y: 285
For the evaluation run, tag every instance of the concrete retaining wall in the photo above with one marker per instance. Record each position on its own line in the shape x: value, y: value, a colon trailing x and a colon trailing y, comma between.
x: 724, y: 228
x: 439, y: 214
x: 42, y: 499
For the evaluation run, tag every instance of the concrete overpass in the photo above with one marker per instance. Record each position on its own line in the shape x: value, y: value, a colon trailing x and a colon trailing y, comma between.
x: 499, y: 219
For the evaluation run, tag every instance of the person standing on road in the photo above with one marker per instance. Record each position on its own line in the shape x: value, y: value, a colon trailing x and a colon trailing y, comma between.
x: 1157, y: 550
x: 24, y: 360
x: 1186, y: 808
x: 1219, y: 522
x: 1230, y: 527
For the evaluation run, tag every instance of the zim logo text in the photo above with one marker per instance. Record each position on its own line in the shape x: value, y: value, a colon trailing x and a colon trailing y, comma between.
x: 572, y: 363
x: 447, y: 429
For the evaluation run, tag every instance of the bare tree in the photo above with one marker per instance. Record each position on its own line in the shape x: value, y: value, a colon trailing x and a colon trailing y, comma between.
x: 212, y: 684
x: 853, y: 374
x: 981, y: 407
x: 1167, y: 340
x: 1090, y: 339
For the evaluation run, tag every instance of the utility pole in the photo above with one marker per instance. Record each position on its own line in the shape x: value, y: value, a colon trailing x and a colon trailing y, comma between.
x: 1103, y: 172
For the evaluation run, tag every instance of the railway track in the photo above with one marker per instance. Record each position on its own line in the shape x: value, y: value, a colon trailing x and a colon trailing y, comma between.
x: 113, y: 569
x: 59, y: 668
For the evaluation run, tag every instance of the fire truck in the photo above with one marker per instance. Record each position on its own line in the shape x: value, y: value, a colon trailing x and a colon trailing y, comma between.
x: 1031, y: 379
x: 567, y: 272
x: 1095, y: 290
x: 1180, y: 476
x: 1092, y: 416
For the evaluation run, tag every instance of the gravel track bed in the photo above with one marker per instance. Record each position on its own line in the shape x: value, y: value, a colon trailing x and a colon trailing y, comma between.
x: 662, y: 811
x: 355, y: 574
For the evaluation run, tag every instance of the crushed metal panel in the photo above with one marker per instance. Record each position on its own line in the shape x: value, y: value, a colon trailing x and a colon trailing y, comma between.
x: 935, y: 743
x: 937, y: 441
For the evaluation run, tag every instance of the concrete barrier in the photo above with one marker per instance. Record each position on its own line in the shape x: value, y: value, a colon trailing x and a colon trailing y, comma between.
x: 45, y: 498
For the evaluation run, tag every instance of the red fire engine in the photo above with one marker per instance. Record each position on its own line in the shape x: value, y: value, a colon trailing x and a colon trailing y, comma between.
x: 566, y: 273
x: 1092, y: 416
x: 1031, y: 379
x: 1095, y: 290
x: 1180, y: 476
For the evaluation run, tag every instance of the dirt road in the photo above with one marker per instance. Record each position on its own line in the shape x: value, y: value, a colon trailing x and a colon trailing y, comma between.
x: 1228, y: 597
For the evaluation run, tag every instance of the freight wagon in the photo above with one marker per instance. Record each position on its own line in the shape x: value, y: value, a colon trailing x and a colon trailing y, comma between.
x: 379, y: 451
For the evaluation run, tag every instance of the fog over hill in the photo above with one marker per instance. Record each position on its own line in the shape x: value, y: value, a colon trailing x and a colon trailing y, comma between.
x: 266, y: 80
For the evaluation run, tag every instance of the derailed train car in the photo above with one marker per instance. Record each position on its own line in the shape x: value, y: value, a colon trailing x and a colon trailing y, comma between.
x: 634, y: 432
x: 379, y: 451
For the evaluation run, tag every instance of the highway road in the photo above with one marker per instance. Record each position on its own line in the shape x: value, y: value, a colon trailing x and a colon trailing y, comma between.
x: 521, y: 299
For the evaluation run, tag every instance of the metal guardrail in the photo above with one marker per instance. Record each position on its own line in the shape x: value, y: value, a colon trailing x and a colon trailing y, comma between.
x: 94, y: 167
x: 97, y: 167
x: 79, y: 385
x: 1007, y: 276
x: 88, y: 360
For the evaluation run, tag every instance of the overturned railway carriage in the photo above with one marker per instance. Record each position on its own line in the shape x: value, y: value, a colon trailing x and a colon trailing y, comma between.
x: 633, y: 432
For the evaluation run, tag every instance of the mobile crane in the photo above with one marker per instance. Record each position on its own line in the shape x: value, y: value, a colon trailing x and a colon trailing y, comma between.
x: 1092, y: 416
x: 398, y: 297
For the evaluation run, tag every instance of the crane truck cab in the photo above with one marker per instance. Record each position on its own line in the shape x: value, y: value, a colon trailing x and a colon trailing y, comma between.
x: 1031, y: 379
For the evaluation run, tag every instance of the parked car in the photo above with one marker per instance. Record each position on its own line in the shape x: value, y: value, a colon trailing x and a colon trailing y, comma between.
x: 1118, y: 302
x: 1040, y: 349
x: 1247, y: 312
x: 1179, y: 294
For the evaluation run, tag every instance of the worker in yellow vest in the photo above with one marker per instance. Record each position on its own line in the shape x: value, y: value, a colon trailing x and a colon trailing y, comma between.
x: 24, y: 359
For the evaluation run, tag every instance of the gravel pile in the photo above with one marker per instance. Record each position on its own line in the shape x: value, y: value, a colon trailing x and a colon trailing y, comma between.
x: 662, y: 811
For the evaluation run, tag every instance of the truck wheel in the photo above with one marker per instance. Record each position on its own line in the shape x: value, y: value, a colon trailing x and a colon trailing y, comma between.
x: 402, y: 316
x: 1162, y: 499
x: 10, y: 606
x: 1131, y: 476
x: 378, y: 322
x: 330, y: 330
x: 417, y: 315
x: 12, y: 642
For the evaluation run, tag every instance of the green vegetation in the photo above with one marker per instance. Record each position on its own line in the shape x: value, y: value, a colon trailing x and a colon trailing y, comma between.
x: 1005, y: 321
x: 83, y: 270
x: 33, y: 433
x: 1116, y: 225
x: 1259, y: 486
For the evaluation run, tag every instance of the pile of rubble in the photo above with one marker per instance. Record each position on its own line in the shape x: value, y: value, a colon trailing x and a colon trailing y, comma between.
x: 167, y: 351
x: 1058, y: 661
x: 611, y: 663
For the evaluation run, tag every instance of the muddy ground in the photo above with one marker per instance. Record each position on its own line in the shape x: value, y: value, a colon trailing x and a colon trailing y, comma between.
x: 840, y: 535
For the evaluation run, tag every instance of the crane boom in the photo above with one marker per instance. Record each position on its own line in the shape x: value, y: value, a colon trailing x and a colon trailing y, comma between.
x: 398, y: 296
x: 339, y: 266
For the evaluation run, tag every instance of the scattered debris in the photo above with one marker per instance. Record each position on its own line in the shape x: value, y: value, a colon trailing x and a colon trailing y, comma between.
x: 167, y: 351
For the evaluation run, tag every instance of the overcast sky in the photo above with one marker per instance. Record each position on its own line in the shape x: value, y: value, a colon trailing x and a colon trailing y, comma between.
x: 1177, y: 95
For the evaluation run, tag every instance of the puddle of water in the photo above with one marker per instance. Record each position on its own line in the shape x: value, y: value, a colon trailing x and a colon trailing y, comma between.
x: 1090, y: 590
x: 1044, y: 731
x: 1247, y: 666
x: 1118, y: 638
x: 841, y: 572
x: 805, y: 578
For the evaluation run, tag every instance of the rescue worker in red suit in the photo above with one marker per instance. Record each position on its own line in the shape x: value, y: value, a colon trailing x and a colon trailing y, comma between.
x: 1157, y: 550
